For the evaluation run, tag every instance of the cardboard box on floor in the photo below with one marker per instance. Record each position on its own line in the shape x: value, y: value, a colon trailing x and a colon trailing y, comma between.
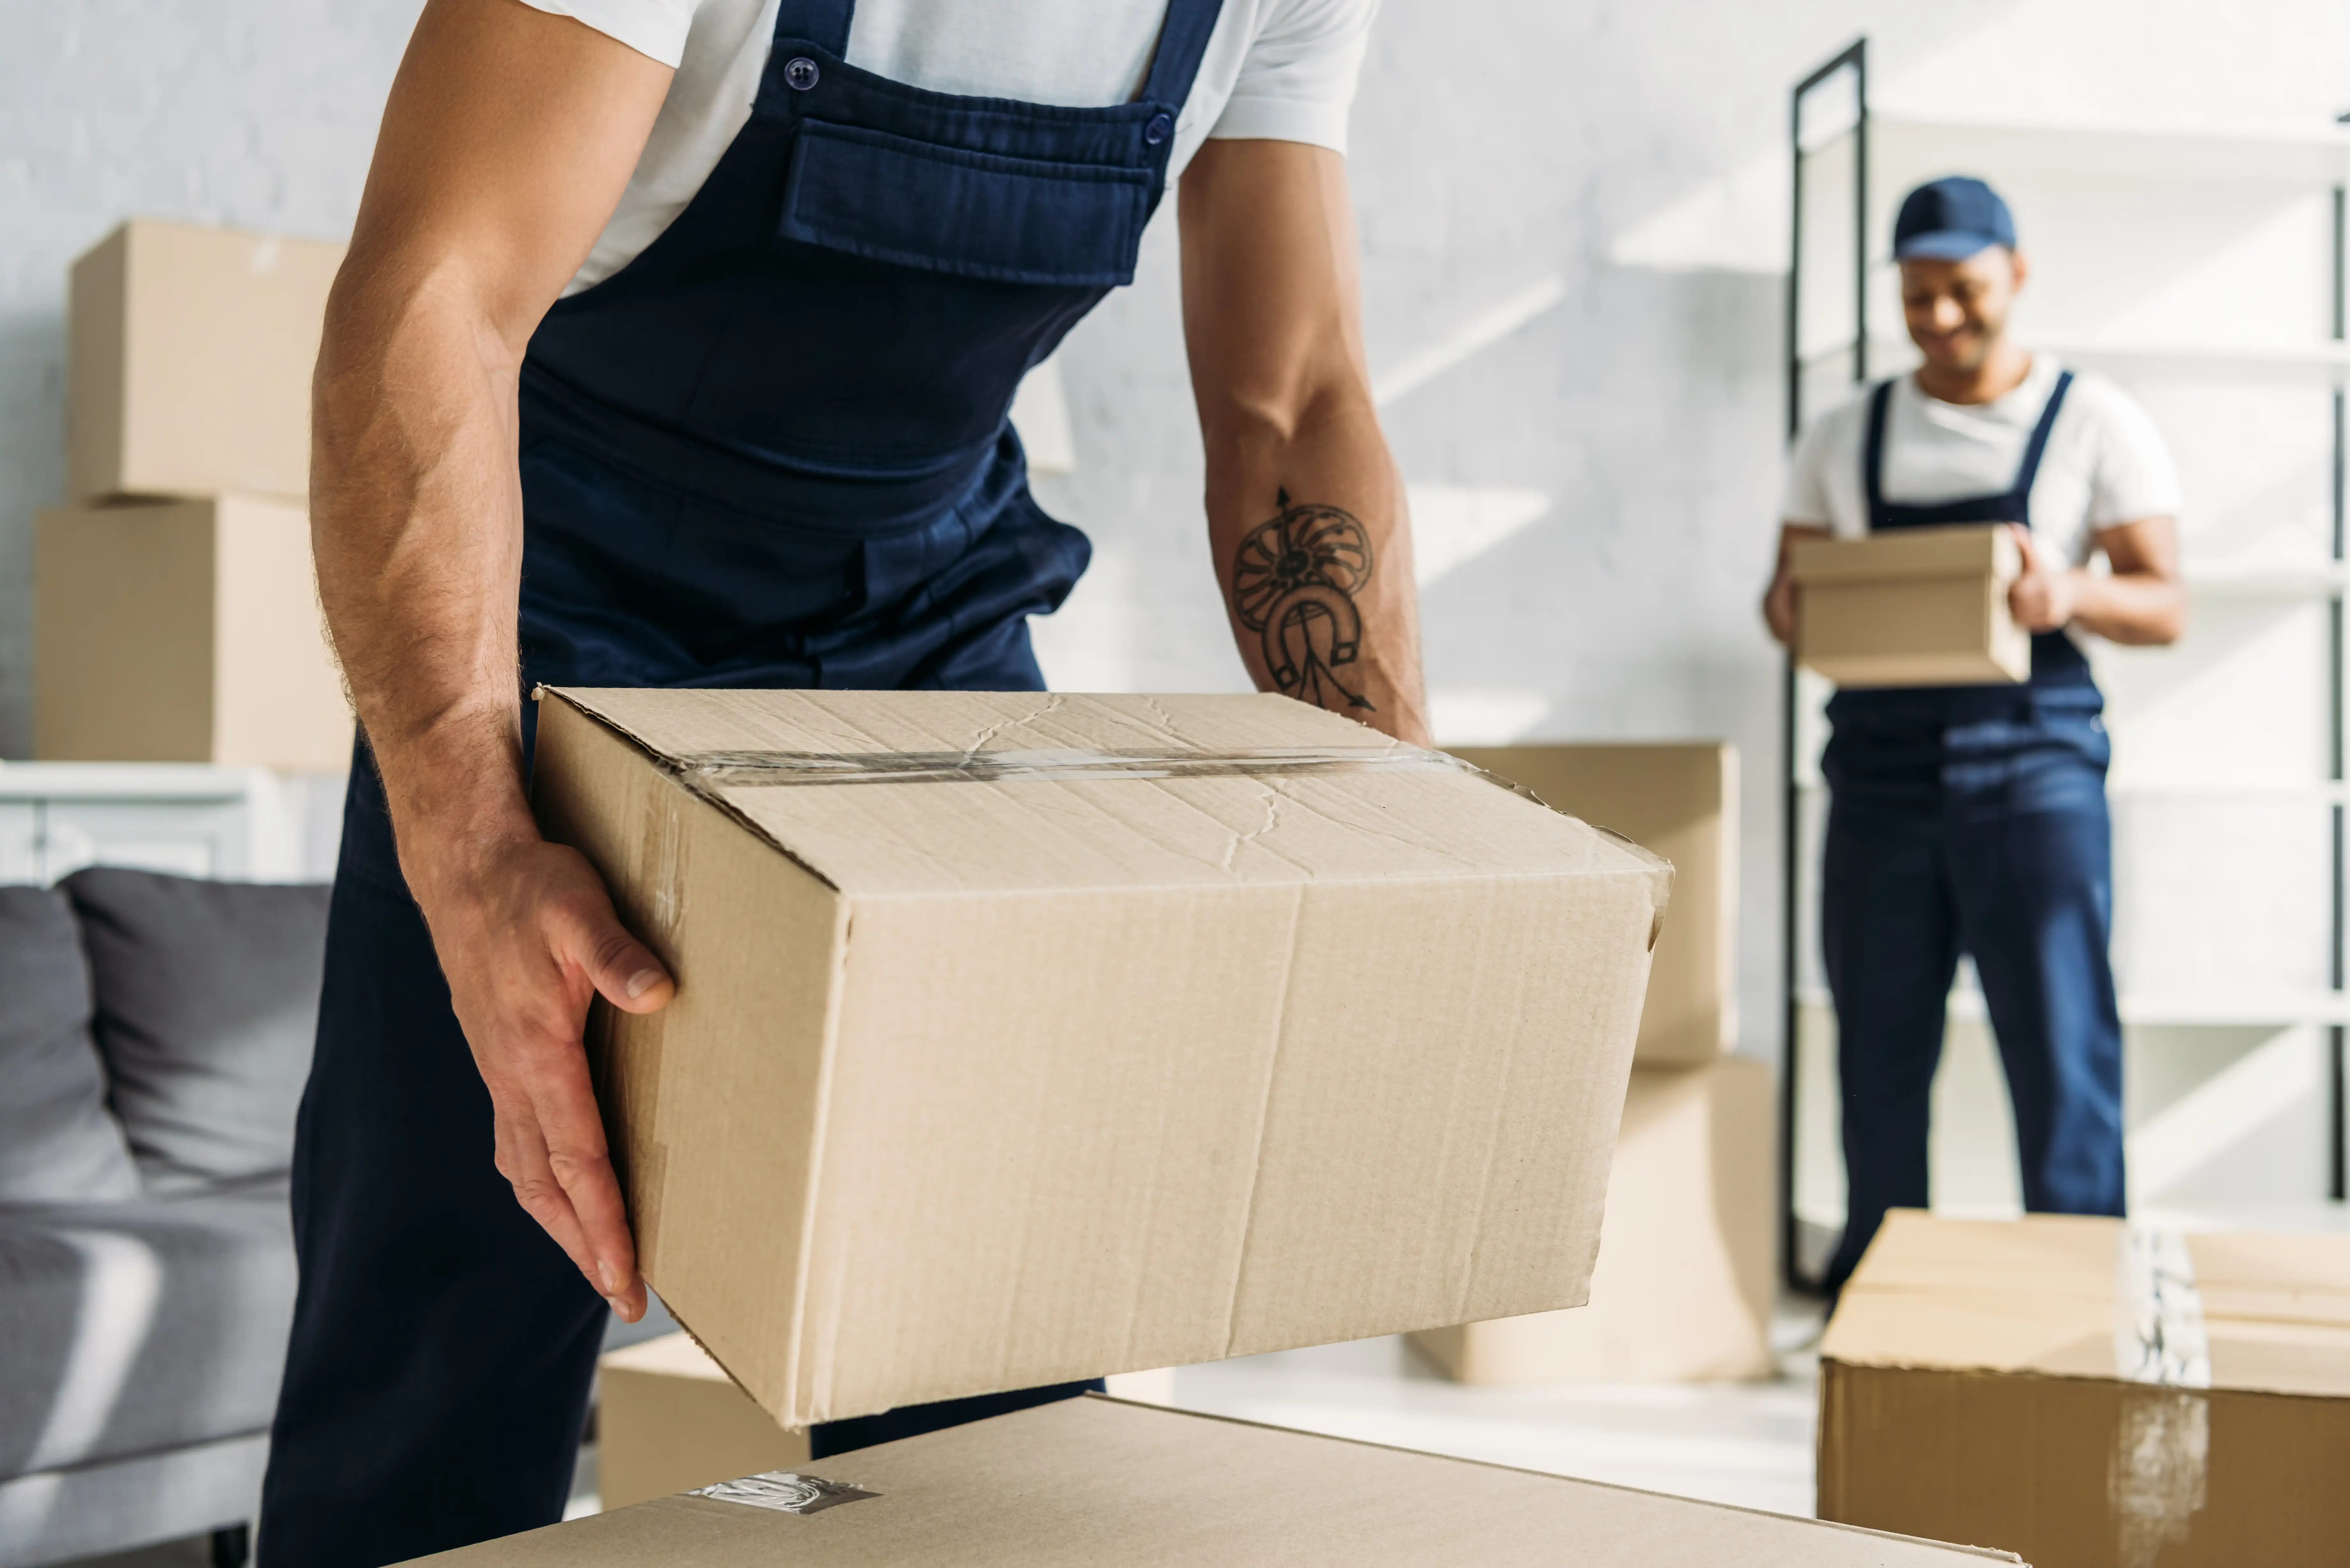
x: 186, y: 631
x: 1685, y: 1278
x: 189, y: 353
x: 1911, y: 606
x: 2094, y: 1396
x: 1679, y: 800
x: 668, y: 1419
x: 1020, y: 1039
x: 1095, y: 1481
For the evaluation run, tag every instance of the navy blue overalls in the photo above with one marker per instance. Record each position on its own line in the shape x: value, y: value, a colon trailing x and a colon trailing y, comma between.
x: 1972, y: 819
x: 771, y: 451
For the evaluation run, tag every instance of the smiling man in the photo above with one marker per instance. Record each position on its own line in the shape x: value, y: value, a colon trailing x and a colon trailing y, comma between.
x: 1972, y: 819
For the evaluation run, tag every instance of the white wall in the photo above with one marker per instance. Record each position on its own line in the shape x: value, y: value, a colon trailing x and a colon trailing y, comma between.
x: 1631, y: 151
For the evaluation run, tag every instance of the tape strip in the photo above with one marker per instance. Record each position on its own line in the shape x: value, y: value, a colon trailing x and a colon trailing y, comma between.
x: 2159, y: 1332
x: 757, y: 770
x: 785, y: 1491
x: 2156, y: 1477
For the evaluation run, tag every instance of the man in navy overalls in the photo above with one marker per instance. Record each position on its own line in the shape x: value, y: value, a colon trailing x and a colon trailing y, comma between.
x: 1972, y: 819
x: 770, y: 450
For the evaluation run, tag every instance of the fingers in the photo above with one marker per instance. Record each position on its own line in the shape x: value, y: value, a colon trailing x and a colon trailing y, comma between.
x: 573, y: 1130
x: 2030, y: 550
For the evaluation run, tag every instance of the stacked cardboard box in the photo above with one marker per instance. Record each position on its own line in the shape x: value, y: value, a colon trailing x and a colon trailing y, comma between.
x: 2092, y: 1394
x: 1685, y: 1275
x: 1095, y: 1481
x: 1915, y: 607
x: 175, y: 616
x: 667, y: 1419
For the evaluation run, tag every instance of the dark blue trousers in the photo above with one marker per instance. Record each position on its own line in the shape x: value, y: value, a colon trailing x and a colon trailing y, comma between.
x: 1975, y: 825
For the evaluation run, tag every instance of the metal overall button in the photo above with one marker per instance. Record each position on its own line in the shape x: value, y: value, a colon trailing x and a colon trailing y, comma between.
x: 1158, y: 127
x: 800, y: 74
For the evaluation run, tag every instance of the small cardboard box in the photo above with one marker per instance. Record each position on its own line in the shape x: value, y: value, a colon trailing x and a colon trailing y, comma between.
x: 1912, y: 607
x: 667, y: 1419
x: 188, y: 360
x: 1094, y: 1480
x: 1027, y: 1038
x: 183, y: 632
x: 1679, y: 800
x: 1683, y: 1288
x: 2093, y: 1395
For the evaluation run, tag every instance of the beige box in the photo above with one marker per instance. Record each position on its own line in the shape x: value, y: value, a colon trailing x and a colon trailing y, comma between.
x: 188, y: 360
x: 667, y: 1419
x: 1026, y: 1038
x: 183, y: 632
x: 2093, y: 1395
x: 1911, y: 606
x: 1679, y: 800
x: 1683, y: 1288
x: 1093, y: 1481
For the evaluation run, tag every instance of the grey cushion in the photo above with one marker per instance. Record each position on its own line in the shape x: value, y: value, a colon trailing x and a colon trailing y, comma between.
x: 133, y: 1327
x: 207, y: 999
x: 57, y: 1141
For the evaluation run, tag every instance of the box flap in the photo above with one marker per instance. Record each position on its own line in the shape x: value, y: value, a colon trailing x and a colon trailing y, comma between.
x: 1909, y: 553
x: 899, y: 794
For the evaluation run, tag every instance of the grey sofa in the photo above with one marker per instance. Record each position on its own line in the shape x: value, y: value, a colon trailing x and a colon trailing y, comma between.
x: 154, y: 1035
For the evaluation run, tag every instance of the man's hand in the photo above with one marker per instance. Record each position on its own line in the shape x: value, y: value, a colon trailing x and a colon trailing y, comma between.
x: 2047, y: 597
x: 1781, y: 599
x: 527, y: 939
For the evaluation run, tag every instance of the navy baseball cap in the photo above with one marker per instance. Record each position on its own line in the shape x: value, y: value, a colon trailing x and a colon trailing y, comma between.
x: 1950, y: 220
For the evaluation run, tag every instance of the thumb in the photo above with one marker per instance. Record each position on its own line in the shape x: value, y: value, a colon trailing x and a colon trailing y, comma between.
x: 623, y: 970
x: 2023, y: 543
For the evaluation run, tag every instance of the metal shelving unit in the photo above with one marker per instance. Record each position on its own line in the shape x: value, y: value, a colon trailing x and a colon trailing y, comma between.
x: 1863, y: 144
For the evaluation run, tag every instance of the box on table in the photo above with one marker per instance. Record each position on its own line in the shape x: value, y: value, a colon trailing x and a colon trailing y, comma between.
x: 1911, y: 606
x: 183, y: 632
x: 2093, y: 1395
x: 189, y: 352
x: 1679, y: 800
x: 1022, y: 1039
x: 1093, y: 1481
x: 1685, y: 1279
x: 667, y: 1419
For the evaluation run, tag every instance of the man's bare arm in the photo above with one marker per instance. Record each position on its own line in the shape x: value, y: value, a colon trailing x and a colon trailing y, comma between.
x: 2142, y: 602
x: 508, y: 138
x: 1305, y: 511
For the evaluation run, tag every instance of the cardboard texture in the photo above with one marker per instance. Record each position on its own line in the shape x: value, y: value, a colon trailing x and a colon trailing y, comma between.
x: 183, y: 632
x: 1131, y: 1031
x: 189, y: 353
x: 668, y: 1419
x: 1999, y: 1382
x: 1094, y: 1480
x: 1680, y: 800
x: 1914, y: 607
x: 1683, y: 1287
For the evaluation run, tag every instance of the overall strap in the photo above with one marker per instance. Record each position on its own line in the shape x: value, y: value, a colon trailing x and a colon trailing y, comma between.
x: 2033, y: 449
x: 824, y: 22
x: 1183, y: 42
x: 1872, y: 455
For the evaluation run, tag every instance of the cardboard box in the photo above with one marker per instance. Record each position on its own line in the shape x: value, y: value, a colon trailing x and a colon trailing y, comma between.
x: 1683, y: 1288
x: 667, y: 1419
x: 183, y: 632
x: 1025, y: 1038
x: 1093, y: 1481
x: 2094, y: 1395
x: 1913, y: 606
x: 1680, y: 801
x: 189, y: 352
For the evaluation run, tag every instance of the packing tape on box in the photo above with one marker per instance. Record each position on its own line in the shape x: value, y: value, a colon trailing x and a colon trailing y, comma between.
x: 785, y: 1491
x: 761, y: 770
x: 2156, y: 1477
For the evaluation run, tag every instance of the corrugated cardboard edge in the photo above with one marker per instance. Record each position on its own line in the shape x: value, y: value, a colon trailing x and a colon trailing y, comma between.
x: 1649, y: 858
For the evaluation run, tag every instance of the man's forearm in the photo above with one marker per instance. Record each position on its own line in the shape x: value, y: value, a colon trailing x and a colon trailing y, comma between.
x: 1313, y: 545
x: 2141, y: 609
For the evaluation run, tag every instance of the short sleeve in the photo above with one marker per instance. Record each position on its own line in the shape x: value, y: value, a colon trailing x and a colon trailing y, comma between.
x: 654, y: 28
x: 1297, y: 81
x: 2134, y: 477
x: 1808, y: 499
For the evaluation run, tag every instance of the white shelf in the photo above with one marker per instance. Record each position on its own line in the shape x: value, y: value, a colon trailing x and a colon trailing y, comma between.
x: 2268, y: 582
x: 129, y: 782
x: 2150, y: 1010
x: 2320, y: 364
x: 2314, y: 791
x: 2170, y: 154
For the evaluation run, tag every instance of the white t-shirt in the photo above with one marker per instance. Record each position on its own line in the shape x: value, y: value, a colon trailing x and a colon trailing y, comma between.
x: 1277, y: 70
x: 2105, y: 464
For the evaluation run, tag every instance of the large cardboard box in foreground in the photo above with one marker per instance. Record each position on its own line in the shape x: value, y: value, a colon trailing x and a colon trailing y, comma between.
x: 189, y: 353
x: 183, y: 632
x: 2093, y: 1395
x: 1095, y: 1481
x: 1911, y: 606
x: 1678, y: 799
x: 1024, y: 1038
x: 1685, y: 1279
x: 667, y: 1419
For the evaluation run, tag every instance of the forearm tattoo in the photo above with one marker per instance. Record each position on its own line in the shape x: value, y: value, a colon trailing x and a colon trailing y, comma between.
x: 1294, y: 583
